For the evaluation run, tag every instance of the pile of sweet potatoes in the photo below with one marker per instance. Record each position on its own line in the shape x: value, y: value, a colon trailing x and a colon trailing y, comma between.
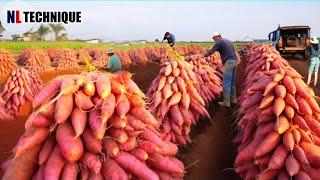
x: 175, y: 101
x: 210, y: 85
x: 92, y: 126
x: 20, y: 87
x: 137, y: 56
x: 279, y: 121
x: 65, y: 59
x: 7, y: 63
x: 35, y: 60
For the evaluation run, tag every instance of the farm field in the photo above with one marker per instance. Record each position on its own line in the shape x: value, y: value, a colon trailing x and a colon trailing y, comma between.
x: 211, y: 153
x: 17, y: 47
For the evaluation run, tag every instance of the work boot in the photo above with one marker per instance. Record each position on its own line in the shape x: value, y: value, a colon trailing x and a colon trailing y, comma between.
x: 224, y: 103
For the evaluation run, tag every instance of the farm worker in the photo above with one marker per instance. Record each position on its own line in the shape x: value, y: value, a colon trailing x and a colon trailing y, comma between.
x: 170, y: 38
x: 229, y: 60
x: 314, y: 60
x: 114, y: 63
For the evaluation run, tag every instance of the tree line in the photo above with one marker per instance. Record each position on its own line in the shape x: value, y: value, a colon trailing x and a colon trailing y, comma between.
x: 42, y: 32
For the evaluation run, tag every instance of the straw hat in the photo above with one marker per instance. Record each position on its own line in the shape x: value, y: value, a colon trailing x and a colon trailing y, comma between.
x: 314, y: 40
x: 215, y: 34
x: 110, y: 51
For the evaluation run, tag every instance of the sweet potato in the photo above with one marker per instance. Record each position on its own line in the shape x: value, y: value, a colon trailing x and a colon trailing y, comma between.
x: 269, y: 174
x: 152, y: 137
x: 129, y: 145
x: 246, y: 154
x: 166, y: 164
x: 92, y: 162
x: 78, y: 120
x: 103, y: 86
x: 69, y: 171
x: 301, y: 88
x: 110, y: 147
x: 135, y: 123
x: 279, y: 105
x: 288, y: 140
x: 304, y: 106
x: 70, y: 147
x: 96, y: 124
x: 108, y: 107
x: 289, y: 84
x: 299, y: 154
x: 266, y: 101
x: 263, y: 160
x: 39, y: 120
x: 302, y: 176
x: 270, y: 87
x: 82, y: 101
x: 313, y: 124
x: 148, y: 146
x: 54, y: 165
x: 268, y: 144
x: 313, y: 104
x: 176, y: 115
x: 47, y: 109
x: 46, y: 149
x: 23, y: 166
x: 89, y: 88
x: 63, y: 108
x: 29, y: 139
x: 47, y: 92
x: 312, y: 152
x: 140, y: 154
x: 296, y: 135
x: 282, y: 124
x: 111, y: 170
x: 145, y: 116
x: 278, y: 158
x: 123, y: 105
x: 290, y: 100
x: 280, y: 91
x: 92, y: 144
x: 292, y: 166
x: 289, y: 111
x: 167, y: 91
x: 133, y: 165
x: 298, y: 120
x: 120, y: 135
x: 118, y: 122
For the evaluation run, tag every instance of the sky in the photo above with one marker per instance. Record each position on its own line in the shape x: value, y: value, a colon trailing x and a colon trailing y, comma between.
x: 188, y: 21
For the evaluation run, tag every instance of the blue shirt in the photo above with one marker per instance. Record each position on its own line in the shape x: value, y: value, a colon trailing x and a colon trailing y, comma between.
x: 171, y: 39
x: 114, y: 63
x: 225, y: 48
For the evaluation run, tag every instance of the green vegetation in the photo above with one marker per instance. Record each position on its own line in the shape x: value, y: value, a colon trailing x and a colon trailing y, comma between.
x: 16, y: 46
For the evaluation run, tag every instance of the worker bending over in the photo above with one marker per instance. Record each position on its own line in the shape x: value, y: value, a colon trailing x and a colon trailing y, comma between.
x: 229, y: 60
x: 170, y: 38
x: 114, y: 63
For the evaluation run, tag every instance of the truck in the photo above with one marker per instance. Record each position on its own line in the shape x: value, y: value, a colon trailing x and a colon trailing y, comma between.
x: 292, y: 40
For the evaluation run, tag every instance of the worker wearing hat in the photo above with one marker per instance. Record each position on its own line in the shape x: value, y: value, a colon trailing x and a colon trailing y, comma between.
x: 229, y: 60
x: 114, y: 63
x: 314, y: 60
x: 170, y: 38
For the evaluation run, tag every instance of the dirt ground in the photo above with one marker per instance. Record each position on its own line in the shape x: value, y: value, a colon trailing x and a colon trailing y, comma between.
x: 211, y: 153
